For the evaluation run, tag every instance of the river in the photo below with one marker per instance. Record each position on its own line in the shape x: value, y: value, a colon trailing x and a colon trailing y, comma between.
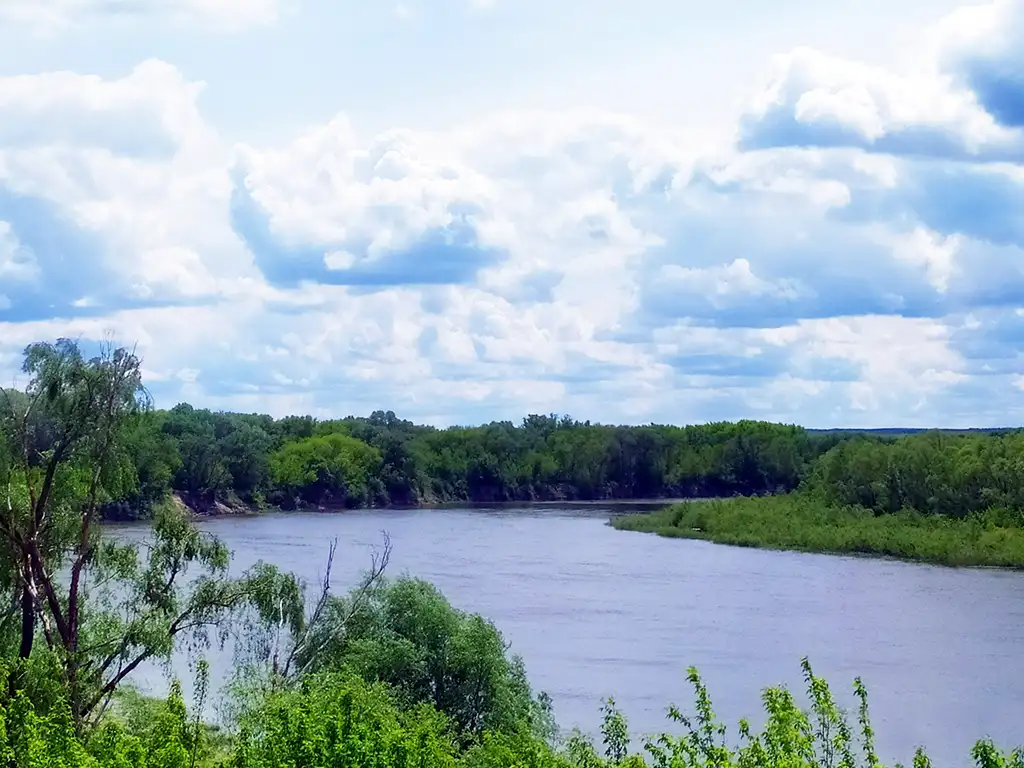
x: 596, y: 612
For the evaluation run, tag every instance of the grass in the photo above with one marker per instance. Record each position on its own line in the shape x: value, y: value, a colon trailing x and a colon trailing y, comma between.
x: 798, y: 522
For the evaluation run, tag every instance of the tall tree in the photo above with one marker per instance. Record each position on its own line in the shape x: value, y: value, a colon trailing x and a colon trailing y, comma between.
x: 114, y: 604
x: 84, y: 404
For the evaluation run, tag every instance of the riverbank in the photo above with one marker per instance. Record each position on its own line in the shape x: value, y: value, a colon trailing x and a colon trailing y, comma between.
x: 232, y: 506
x: 796, y: 522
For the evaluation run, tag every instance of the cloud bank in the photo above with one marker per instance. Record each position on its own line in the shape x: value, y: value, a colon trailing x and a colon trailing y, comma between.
x: 854, y: 257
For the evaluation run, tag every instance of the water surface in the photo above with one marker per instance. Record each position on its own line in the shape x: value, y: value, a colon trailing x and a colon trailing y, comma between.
x: 597, y: 612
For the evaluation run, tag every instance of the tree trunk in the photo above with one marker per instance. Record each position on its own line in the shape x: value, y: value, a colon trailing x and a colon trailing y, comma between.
x: 28, y: 622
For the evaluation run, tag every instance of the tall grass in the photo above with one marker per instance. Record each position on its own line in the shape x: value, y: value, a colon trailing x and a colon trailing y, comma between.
x: 799, y: 522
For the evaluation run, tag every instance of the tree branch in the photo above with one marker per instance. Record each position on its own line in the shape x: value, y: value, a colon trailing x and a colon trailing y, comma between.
x: 378, y: 565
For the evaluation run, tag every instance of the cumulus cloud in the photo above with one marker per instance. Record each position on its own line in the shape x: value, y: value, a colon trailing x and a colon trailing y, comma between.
x: 965, y: 98
x: 117, y: 189
x: 980, y: 46
x: 856, y: 258
x: 814, y: 99
x: 150, y: 112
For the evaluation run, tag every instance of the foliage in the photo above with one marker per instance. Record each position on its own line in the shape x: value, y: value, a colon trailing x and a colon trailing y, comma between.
x: 100, y: 607
x: 406, y: 634
x: 331, y: 468
x: 392, y: 675
x: 381, y: 459
x: 933, y: 473
x: 37, y: 729
x: 335, y: 719
x: 956, y: 499
x: 802, y: 522
x: 209, y: 457
x: 64, y: 459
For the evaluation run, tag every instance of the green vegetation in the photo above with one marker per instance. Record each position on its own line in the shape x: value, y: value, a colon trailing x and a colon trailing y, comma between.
x: 389, y: 675
x: 407, y: 635
x: 800, y: 522
x: 326, y: 468
x: 955, y: 499
x: 216, y: 460
x: 931, y: 473
x: 337, y: 719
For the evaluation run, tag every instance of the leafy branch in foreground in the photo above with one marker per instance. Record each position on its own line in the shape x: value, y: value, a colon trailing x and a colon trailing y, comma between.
x: 102, y: 607
x: 820, y: 737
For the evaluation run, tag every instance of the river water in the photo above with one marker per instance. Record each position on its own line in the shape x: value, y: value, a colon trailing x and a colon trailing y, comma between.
x: 596, y: 612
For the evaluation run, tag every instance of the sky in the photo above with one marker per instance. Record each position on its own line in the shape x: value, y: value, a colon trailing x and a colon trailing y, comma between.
x: 628, y: 211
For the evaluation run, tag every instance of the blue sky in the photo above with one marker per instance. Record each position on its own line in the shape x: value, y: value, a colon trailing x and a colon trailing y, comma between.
x: 467, y: 210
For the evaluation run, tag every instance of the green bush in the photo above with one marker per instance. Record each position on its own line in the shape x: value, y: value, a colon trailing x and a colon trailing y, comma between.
x: 406, y: 634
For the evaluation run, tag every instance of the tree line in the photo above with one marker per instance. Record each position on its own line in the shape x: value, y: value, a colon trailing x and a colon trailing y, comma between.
x: 932, y: 473
x: 941, y: 497
x: 210, y: 458
x: 380, y: 460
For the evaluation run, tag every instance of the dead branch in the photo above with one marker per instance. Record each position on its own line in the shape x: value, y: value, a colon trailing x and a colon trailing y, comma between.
x: 379, y: 560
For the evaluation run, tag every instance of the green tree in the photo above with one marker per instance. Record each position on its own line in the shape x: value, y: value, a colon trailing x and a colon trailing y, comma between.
x: 100, y: 605
x: 405, y: 633
x: 203, y: 472
x: 333, y: 468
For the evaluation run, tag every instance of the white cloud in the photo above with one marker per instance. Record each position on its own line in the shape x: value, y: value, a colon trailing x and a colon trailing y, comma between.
x: 934, y: 253
x: 984, y: 31
x: 570, y: 261
x: 130, y: 169
x: 817, y: 99
x: 899, y: 358
x: 150, y: 111
x: 727, y: 283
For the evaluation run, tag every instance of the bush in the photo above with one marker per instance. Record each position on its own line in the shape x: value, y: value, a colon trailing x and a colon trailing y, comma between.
x: 406, y: 634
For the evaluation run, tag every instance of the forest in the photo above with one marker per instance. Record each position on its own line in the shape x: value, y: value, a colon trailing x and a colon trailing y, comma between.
x: 952, y: 499
x: 211, y: 459
x: 388, y: 674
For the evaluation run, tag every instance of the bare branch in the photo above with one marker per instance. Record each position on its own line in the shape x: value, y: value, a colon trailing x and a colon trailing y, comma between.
x: 379, y: 561
x: 321, y: 603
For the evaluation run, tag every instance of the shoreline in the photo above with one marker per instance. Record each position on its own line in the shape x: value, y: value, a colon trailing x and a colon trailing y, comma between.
x: 799, y: 524
x: 237, y: 508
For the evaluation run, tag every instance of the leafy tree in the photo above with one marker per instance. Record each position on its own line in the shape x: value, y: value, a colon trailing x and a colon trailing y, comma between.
x: 340, y: 721
x: 246, y: 450
x: 932, y: 473
x: 156, y: 461
x: 203, y: 472
x: 53, y: 495
x: 116, y: 604
x: 405, y: 633
x: 332, y: 468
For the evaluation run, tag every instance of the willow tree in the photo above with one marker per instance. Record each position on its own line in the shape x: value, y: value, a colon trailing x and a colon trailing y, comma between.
x: 101, y: 605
